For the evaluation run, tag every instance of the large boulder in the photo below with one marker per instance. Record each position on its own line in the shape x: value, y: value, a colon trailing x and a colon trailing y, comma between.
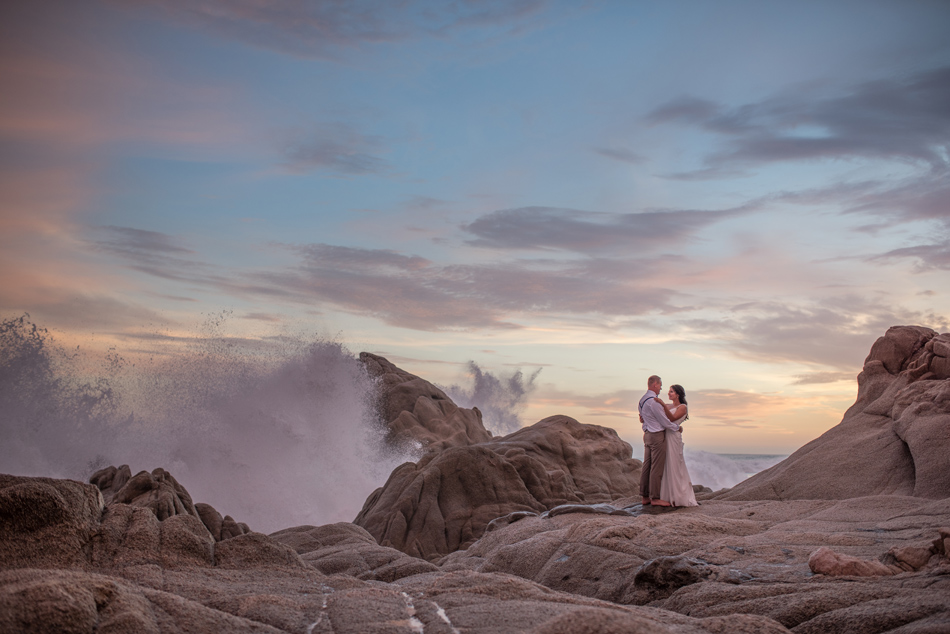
x: 46, y: 523
x: 895, y: 439
x: 417, y: 413
x: 445, y: 501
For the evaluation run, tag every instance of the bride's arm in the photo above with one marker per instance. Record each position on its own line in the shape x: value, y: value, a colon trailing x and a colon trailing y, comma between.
x: 666, y: 409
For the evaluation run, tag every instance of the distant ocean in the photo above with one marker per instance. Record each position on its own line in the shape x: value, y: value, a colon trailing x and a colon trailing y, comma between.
x: 724, y: 470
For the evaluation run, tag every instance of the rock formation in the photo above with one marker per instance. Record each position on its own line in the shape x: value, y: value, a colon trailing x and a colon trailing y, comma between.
x: 418, y: 413
x: 68, y: 563
x: 445, y: 501
x: 569, y: 549
x: 159, y: 492
x: 893, y: 440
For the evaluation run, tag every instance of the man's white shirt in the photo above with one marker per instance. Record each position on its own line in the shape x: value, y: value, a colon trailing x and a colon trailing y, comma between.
x: 654, y: 416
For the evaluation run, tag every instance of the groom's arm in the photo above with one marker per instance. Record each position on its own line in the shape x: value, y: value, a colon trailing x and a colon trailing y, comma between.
x: 659, y: 415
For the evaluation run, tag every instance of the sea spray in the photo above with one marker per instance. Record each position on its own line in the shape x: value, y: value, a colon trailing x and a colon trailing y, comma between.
x: 275, y: 433
x: 722, y: 471
x: 500, y: 398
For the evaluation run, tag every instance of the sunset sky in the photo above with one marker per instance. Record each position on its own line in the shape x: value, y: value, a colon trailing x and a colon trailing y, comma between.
x: 739, y: 196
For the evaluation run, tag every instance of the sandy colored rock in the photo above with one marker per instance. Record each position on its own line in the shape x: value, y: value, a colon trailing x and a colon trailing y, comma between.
x: 162, y: 494
x: 255, y: 550
x: 417, y: 413
x: 110, y: 480
x: 158, y: 491
x: 46, y: 523
x: 210, y: 517
x: 131, y: 536
x: 749, y: 553
x: 231, y: 528
x: 446, y: 500
x: 33, y: 601
x: 345, y: 548
x: 599, y: 555
x: 893, y: 440
x: 825, y: 561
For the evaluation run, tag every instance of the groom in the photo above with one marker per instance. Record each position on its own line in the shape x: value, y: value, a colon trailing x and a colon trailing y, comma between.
x: 654, y: 420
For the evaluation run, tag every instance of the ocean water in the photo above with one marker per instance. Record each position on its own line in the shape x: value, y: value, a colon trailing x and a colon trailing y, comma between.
x: 720, y: 471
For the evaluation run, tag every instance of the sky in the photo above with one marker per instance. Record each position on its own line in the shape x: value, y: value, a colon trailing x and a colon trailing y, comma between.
x: 739, y: 196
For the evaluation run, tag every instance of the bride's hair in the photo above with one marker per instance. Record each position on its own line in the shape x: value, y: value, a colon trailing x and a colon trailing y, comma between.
x: 680, y: 392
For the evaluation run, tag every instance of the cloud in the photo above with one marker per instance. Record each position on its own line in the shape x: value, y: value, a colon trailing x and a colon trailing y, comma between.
x: 736, y: 408
x: 412, y: 292
x: 150, y: 252
x: 334, y: 148
x: 716, y: 407
x: 69, y: 309
x: 320, y: 256
x: 262, y: 317
x: 817, y: 378
x: 142, y: 241
x: 325, y: 28
x: 624, y: 156
x: 927, y: 256
x: 685, y: 110
x: 904, y: 118
x: 833, y: 333
x: 922, y: 199
x: 590, y: 232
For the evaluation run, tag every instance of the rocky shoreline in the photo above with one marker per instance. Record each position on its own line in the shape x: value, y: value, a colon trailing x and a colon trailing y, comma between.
x: 538, y: 531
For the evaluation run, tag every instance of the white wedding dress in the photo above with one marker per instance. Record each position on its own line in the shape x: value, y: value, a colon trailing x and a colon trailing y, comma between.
x: 676, y: 487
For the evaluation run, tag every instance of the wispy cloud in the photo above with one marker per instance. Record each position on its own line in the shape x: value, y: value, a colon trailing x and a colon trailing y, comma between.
x: 713, y: 407
x: 899, y: 118
x: 737, y: 408
x: 819, y: 378
x: 620, y: 154
x: 326, y: 28
x: 336, y: 148
x: 831, y: 333
x: 927, y: 256
x: 150, y: 252
x: 412, y: 292
x: 922, y: 199
x: 590, y: 232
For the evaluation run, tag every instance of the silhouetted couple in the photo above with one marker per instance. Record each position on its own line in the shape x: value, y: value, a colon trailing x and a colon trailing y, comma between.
x: 664, y: 480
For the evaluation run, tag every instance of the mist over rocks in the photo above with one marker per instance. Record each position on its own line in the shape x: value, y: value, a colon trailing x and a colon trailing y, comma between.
x: 445, y: 501
x: 895, y: 439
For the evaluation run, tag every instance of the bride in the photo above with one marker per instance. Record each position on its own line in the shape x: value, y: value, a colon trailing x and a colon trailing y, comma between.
x: 676, y: 486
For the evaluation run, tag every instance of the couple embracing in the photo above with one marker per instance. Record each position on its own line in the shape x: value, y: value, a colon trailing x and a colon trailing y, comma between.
x: 664, y: 480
